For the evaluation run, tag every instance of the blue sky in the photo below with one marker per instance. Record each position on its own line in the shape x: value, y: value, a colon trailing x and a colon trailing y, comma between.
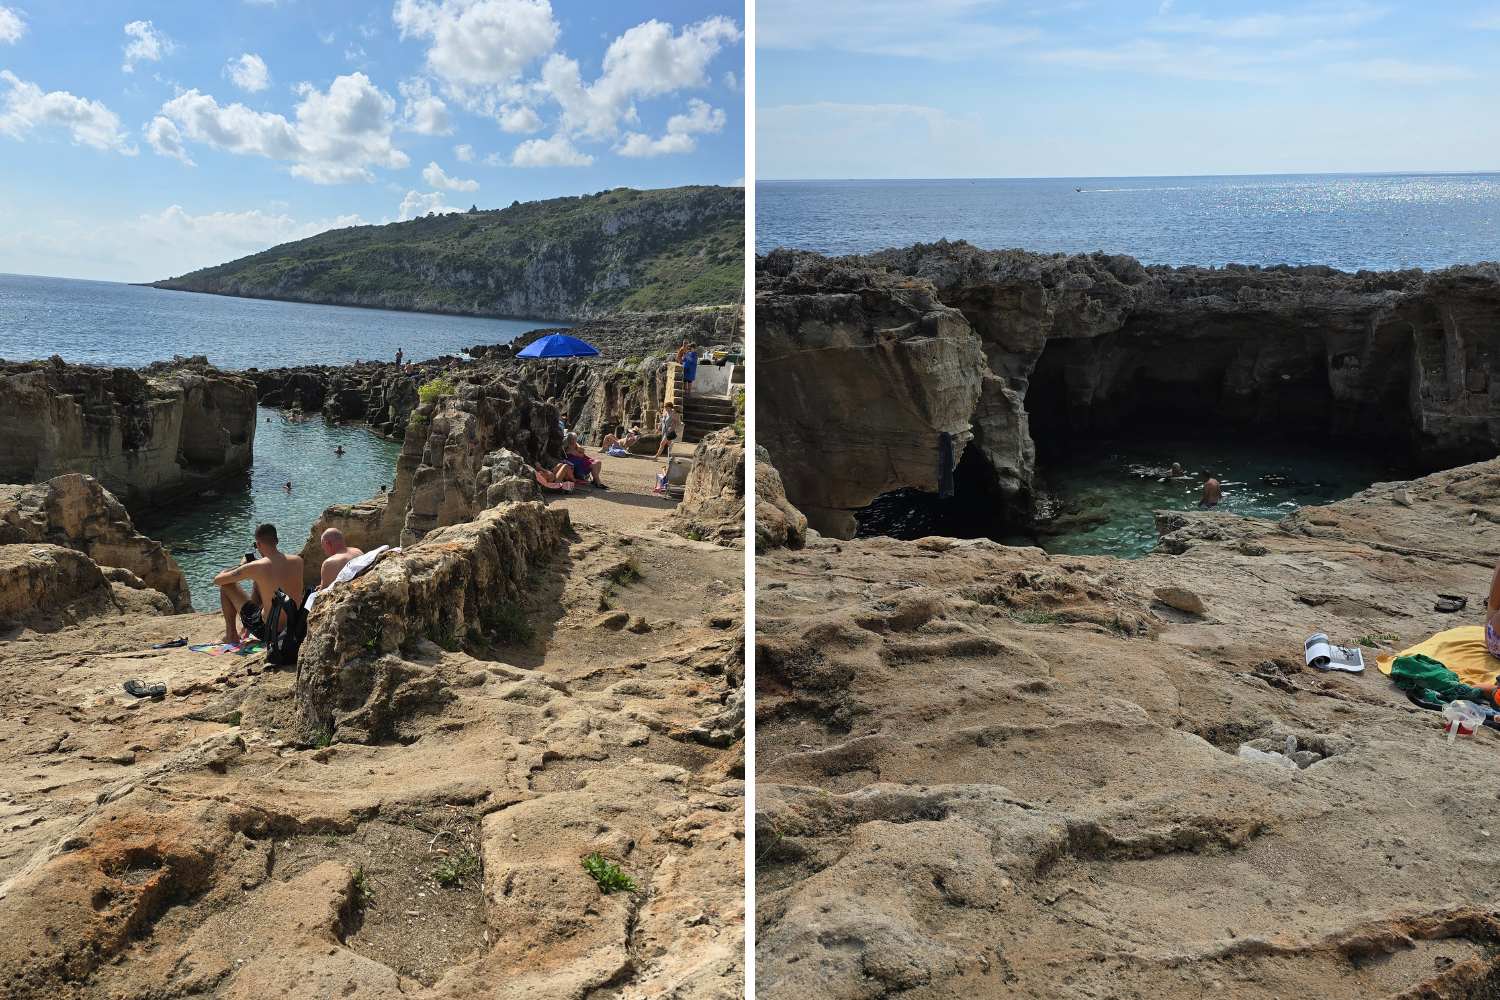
x: 1010, y: 88
x: 144, y: 138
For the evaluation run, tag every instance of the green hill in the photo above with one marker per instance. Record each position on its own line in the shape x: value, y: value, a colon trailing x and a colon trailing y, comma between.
x: 565, y: 258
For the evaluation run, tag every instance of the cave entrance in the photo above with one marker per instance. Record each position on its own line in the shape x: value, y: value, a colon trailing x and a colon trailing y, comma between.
x: 1109, y: 419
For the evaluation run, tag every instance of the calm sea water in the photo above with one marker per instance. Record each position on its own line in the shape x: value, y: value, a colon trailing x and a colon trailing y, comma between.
x: 108, y: 323
x: 1348, y: 221
x: 214, y: 531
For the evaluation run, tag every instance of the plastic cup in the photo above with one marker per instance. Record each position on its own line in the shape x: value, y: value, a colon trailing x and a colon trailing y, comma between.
x: 1461, y: 718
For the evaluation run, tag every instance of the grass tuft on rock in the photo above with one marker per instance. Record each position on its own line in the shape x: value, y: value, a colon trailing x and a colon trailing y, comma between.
x: 508, y: 623
x: 608, y: 874
x: 454, y: 871
x: 431, y: 392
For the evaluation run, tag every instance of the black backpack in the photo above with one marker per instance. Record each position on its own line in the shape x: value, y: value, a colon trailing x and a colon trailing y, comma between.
x: 286, y: 627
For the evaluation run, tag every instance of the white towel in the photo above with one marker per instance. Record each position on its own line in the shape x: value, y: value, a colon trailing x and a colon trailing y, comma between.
x: 354, y: 567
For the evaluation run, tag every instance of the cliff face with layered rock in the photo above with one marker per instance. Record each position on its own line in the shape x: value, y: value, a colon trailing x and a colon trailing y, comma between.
x: 147, y: 436
x: 624, y: 335
x: 1002, y: 349
x: 74, y: 511
x: 989, y: 771
x: 713, y: 498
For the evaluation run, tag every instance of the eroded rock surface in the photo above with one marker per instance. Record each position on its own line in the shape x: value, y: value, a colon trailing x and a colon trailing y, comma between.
x: 76, y: 512
x: 986, y: 771
x: 148, y: 436
x: 869, y: 361
x: 213, y: 844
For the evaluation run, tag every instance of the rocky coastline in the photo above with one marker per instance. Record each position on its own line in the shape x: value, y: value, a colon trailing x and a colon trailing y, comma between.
x: 985, y: 353
x: 148, y: 436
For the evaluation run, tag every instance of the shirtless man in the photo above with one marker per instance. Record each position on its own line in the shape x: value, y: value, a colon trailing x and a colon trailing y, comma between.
x: 1212, y: 494
x: 272, y: 571
x: 336, y: 555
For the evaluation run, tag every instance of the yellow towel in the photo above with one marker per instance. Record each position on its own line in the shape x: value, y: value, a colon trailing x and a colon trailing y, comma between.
x: 1461, y: 650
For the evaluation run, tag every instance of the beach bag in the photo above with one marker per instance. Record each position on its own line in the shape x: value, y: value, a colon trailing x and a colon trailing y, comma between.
x: 286, y: 627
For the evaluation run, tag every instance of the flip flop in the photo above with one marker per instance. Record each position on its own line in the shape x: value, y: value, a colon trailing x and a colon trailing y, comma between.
x: 171, y: 643
x: 140, y: 689
x: 1450, y: 603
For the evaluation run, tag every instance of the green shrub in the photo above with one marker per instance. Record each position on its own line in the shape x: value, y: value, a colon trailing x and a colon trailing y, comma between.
x: 607, y: 874
x: 455, y: 870
x: 432, y: 391
x: 507, y: 623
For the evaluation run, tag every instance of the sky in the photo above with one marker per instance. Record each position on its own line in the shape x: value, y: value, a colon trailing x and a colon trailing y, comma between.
x: 141, y: 139
x: 1110, y: 88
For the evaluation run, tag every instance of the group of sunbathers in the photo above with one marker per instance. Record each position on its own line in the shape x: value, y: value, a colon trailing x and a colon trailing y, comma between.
x: 576, y: 467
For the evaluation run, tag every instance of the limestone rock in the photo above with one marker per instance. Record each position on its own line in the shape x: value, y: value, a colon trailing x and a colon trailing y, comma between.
x: 777, y: 522
x: 147, y: 436
x: 443, y: 589
x: 867, y: 359
x: 1180, y: 598
x: 41, y: 582
x: 75, y: 511
x: 713, y: 498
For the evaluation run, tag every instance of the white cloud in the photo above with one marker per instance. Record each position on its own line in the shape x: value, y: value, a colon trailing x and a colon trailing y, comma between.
x: 154, y: 244
x: 25, y: 106
x: 1403, y: 71
x: 648, y: 60
x: 338, y: 134
x: 518, y: 119
x: 12, y: 25
x: 417, y: 204
x: 1487, y: 22
x: 424, y: 113
x: 944, y: 30
x: 1315, y: 20
x: 436, y: 177
x: 249, y: 73
x: 479, y: 42
x: 146, y: 45
x: 464, y: 152
x: 557, y: 151
x: 700, y: 118
x: 731, y: 81
x: 166, y: 139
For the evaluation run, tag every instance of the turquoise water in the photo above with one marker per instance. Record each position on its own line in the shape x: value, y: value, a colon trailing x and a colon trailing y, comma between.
x: 213, y: 532
x: 1122, y: 484
x: 1101, y: 498
x: 108, y: 323
x: 1347, y: 221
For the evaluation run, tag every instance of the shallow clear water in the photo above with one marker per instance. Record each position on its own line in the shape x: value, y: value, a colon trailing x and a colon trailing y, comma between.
x: 1106, y: 494
x: 214, y: 531
x: 1125, y: 483
x: 1348, y: 221
x: 108, y: 323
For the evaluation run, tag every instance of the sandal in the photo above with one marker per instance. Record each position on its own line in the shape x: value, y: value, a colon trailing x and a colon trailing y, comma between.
x: 171, y: 643
x: 1450, y: 603
x: 140, y: 689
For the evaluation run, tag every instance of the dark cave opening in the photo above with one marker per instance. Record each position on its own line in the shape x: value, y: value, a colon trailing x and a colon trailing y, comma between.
x: 1109, y: 417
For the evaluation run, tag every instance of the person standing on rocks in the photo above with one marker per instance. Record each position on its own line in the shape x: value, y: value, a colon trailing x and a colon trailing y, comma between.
x: 399, y: 355
x: 1212, y: 493
x: 271, y: 572
x: 669, y: 425
x: 336, y: 555
x: 689, y: 369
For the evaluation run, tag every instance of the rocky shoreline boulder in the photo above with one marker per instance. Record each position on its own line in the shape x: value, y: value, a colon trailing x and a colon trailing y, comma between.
x: 74, y: 511
x: 713, y: 499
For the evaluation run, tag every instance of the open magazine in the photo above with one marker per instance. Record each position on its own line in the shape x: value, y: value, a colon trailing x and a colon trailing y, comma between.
x: 1322, y: 654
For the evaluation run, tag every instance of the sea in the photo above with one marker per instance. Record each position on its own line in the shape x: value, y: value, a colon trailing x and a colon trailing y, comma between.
x: 108, y: 323
x: 1347, y: 221
x: 1109, y: 490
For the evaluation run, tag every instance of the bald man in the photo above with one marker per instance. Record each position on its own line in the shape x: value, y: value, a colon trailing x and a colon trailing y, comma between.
x: 336, y: 555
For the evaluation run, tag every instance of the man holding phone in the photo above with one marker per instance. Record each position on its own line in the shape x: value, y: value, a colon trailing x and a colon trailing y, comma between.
x: 268, y: 571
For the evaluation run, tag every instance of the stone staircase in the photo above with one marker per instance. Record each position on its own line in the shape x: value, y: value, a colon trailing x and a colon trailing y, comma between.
x: 702, y: 415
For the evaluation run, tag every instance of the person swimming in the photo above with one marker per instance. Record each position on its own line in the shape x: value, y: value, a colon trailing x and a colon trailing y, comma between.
x: 1212, y: 493
x: 339, y: 451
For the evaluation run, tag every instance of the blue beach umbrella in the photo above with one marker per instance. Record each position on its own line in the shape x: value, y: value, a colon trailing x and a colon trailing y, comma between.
x: 558, y: 345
